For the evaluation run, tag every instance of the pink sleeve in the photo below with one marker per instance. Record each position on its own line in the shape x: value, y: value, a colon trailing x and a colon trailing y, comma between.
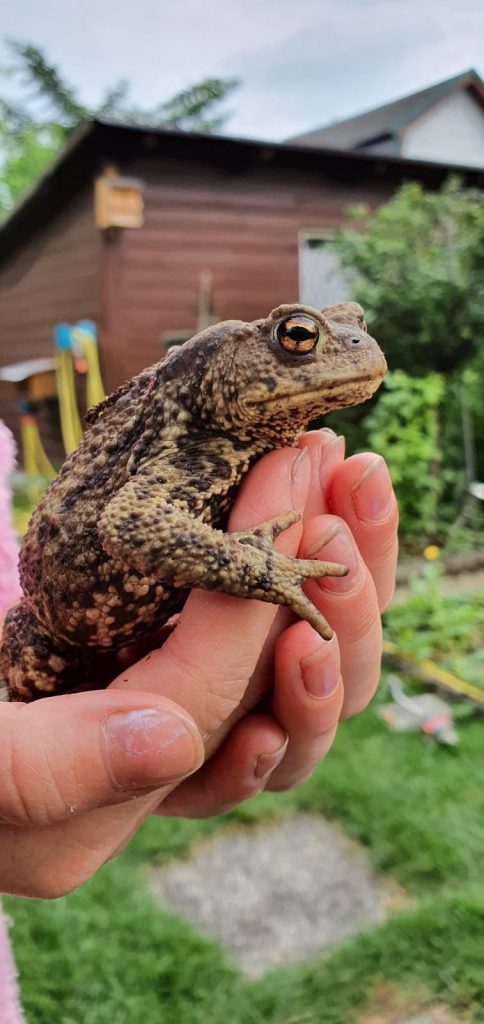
x: 10, y: 1011
x: 9, y: 581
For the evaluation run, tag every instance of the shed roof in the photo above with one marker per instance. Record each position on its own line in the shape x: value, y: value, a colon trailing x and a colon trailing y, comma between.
x: 385, y: 124
x: 99, y: 142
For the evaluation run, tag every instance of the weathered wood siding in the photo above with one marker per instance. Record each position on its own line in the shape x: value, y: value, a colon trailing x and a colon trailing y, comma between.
x: 55, y: 278
x: 243, y: 228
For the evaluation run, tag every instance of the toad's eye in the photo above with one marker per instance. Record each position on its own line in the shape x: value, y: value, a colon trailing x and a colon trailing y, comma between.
x: 298, y: 334
x: 362, y: 323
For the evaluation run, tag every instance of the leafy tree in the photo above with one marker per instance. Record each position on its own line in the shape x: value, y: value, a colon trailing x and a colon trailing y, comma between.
x: 24, y: 158
x: 418, y: 268
x: 31, y: 132
x: 405, y: 426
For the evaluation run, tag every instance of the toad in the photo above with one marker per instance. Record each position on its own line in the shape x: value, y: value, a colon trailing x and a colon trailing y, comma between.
x: 136, y: 516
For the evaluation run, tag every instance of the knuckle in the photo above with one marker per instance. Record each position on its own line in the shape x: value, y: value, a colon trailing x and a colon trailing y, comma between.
x: 17, y: 802
x: 31, y: 792
x: 387, y: 593
x: 360, y: 630
x: 215, y: 800
x: 385, y: 558
x: 324, y: 737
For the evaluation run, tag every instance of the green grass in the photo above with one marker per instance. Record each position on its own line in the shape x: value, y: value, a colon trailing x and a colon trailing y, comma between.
x: 437, y: 949
x: 108, y: 955
x: 448, y: 629
x: 418, y: 807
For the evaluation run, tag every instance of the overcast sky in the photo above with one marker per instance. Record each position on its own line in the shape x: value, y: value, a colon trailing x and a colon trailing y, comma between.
x: 301, y: 63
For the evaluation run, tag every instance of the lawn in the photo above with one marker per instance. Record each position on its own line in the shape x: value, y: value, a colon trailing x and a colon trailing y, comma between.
x: 108, y: 955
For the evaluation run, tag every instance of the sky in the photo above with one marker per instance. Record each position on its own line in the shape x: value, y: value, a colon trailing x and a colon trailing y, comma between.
x: 301, y: 63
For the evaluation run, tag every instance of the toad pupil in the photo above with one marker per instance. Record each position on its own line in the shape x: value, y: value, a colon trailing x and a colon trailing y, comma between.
x: 298, y: 334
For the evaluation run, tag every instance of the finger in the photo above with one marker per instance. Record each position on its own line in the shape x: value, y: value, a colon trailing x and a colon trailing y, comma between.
x: 239, y: 770
x: 207, y: 662
x: 361, y: 493
x: 88, y: 750
x: 308, y: 696
x: 326, y: 451
x: 350, y: 605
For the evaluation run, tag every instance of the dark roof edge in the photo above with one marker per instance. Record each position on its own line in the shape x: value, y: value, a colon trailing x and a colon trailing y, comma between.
x: 469, y: 79
x: 430, y: 94
x: 96, y: 142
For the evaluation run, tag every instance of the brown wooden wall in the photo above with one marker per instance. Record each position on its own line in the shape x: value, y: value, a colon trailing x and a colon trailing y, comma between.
x: 139, y: 284
x: 243, y: 228
x: 55, y: 278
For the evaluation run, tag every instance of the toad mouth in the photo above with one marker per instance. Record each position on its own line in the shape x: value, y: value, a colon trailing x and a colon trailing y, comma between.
x: 319, y: 394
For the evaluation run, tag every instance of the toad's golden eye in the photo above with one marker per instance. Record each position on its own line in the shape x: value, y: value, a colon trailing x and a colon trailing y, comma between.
x: 362, y: 323
x: 298, y: 334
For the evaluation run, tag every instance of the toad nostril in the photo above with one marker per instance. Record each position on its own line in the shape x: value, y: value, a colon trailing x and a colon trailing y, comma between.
x: 355, y: 341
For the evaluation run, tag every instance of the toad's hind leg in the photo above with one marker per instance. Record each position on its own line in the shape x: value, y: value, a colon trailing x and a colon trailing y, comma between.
x: 32, y: 664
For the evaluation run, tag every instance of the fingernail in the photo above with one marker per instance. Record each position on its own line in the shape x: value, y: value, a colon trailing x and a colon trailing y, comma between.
x: 149, y: 747
x: 320, y: 673
x: 372, y: 492
x: 337, y: 546
x: 300, y: 472
x: 323, y: 540
x: 266, y: 763
x: 331, y: 441
x: 331, y: 451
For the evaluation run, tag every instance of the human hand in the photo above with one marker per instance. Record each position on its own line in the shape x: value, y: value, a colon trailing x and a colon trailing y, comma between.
x: 350, y: 516
x: 65, y: 814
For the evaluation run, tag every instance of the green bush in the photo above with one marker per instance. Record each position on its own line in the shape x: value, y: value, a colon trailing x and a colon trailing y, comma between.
x: 404, y: 427
x: 447, y: 629
x: 417, y: 267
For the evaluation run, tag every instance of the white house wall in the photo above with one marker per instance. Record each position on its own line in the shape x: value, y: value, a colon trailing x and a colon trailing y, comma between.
x: 451, y: 132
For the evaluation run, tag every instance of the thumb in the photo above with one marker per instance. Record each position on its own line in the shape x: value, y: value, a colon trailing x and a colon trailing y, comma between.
x: 72, y: 753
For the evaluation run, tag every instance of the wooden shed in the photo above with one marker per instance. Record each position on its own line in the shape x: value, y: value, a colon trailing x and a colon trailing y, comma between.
x: 129, y: 221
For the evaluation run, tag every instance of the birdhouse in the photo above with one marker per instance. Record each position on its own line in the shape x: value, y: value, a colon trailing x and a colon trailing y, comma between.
x: 118, y: 202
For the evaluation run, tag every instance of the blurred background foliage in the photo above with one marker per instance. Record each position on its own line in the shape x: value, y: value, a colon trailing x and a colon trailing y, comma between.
x: 33, y: 130
x: 417, y: 266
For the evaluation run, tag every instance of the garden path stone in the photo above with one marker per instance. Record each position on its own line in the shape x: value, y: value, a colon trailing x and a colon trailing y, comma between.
x: 278, y: 893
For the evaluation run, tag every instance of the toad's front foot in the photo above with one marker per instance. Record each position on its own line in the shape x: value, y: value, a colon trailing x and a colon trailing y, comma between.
x: 284, y: 576
x: 162, y: 539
